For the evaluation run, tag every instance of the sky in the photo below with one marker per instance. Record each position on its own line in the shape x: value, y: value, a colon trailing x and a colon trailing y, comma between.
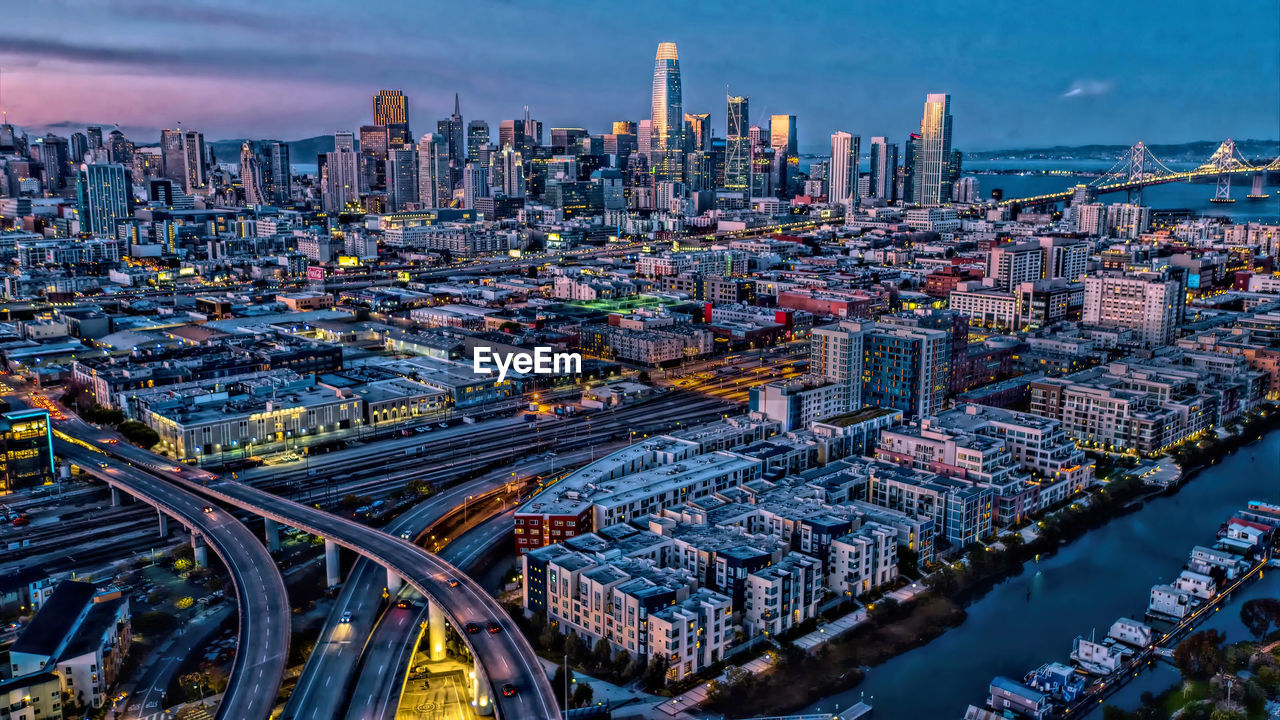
x: 1020, y: 74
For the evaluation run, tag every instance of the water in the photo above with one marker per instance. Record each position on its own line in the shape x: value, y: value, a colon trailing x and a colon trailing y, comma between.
x: 1171, y: 196
x: 1102, y: 576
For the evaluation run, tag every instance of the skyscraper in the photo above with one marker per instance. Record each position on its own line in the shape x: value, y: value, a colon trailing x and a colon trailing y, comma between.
x: 104, y: 194
x: 453, y: 133
x: 737, y: 162
x: 908, y: 193
x: 667, y: 160
x: 280, y: 187
x: 840, y: 171
x: 624, y: 127
x: 512, y: 173
x: 340, y: 180
x: 477, y: 137
x: 782, y: 134
x: 644, y: 138
x: 475, y: 184
x: 390, y: 106
x: 402, y: 178
x: 251, y: 176
x: 95, y: 137
x: 434, y: 189
x: 884, y: 169
x: 194, y: 156
x: 697, y: 129
x: 933, y: 152
x: 172, y: 154
x: 374, y: 143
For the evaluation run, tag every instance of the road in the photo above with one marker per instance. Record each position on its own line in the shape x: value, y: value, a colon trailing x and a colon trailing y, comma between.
x: 263, y: 604
x: 147, y: 699
x: 506, y: 657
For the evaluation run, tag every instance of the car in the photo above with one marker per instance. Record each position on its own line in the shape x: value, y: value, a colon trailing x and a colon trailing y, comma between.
x: 508, y: 690
x: 208, y: 509
x: 494, y: 627
x: 103, y: 465
x: 443, y: 425
x: 111, y: 441
x: 453, y: 582
x: 472, y: 628
x: 407, y: 535
x: 404, y: 604
x: 175, y: 468
x: 346, y: 617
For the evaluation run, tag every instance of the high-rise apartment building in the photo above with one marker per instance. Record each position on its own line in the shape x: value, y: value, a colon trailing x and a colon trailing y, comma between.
x: 1149, y: 302
x: 932, y: 166
x: 475, y: 184
x: 836, y: 355
x: 884, y: 170
x: 841, y: 169
x: 104, y: 193
x: 172, y: 154
x: 434, y: 188
x: 667, y: 160
x: 907, y: 368
x: 402, y: 178
x: 340, y: 177
x: 1012, y: 264
x: 280, y: 185
x: 697, y: 129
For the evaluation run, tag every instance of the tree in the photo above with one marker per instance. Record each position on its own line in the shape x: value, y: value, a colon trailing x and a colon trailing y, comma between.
x: 883, y: 610
x: 582, y: 694
x: 621, y: 661
x: 655, y: 676
x: 1200, y: 655
x: 573, y: 646
x: 602, y: 653
x: 139, y: 434
x: 1261, y: 616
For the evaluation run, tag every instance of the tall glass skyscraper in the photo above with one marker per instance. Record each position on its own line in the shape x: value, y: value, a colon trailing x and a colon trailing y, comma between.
x: 884, y: 169
x: 840, y: 170
x: 667, y: 124
x: 932, y: 164
x: 737, y: 159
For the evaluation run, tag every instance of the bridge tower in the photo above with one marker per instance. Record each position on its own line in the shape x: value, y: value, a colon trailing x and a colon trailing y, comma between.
x: 1224, y: 161
x: 1136, y: 167
x: 1259, y: 187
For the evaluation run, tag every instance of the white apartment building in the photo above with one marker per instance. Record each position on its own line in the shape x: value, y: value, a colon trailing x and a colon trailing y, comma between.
x: 863, y: 560
x: 1149, y: 303
x: 782, y: 595
x: 692, y: 634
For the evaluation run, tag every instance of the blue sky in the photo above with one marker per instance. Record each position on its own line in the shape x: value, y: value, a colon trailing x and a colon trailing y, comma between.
x: 1020, y: 73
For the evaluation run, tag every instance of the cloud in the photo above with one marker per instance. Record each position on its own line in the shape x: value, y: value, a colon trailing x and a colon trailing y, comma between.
x: 1089, y: 88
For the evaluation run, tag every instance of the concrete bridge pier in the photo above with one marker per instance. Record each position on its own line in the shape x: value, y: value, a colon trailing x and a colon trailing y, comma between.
x: 435, y: 630
x: 164, y: 524
x: 271, y: 533
x: 115, y: 496
x: 481, y: 700
x: 332, y: 564
x: 394, y: 582
x: 200, y: 551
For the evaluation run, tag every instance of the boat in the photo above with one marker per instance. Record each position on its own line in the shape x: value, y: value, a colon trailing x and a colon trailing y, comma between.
x: 1096, y: 658
x: 1061, y: 681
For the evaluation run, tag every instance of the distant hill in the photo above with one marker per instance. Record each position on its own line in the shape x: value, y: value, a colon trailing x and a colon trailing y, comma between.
x: 302, y: 152
x: 1192, y: 151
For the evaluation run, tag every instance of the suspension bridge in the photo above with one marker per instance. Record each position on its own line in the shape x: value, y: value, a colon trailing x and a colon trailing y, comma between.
x: 1139, y: 168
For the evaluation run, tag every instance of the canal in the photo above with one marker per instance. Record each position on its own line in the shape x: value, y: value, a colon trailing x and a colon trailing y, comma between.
x: 1032, y: 618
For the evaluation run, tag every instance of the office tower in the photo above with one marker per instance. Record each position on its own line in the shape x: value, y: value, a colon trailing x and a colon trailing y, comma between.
x: 104, y: 194
x: 884, y: 170
x: 94, y: 137
x: 27, y: 460
x: 606, y: 183
x: 391, y: 110
x: 932, y: 164
x: 700, y: 170
x: 55, y: 155
x: 836, y: 355
x: 120, y: 149
x: 697, y: 132
x: 195, y: 175
x: 668, y: 115
x: 374, y: 143
x: 453, y: 133
x: 956, y: 166
x: 79, y: 148
x: 737, y: 160
x: 475, y: 184
x: 512, y: 164
x: 840, y: 169
x: 390, y: 107
x: 532, y: 132
x: 782, y: 134
x: 340, y: 180
x: 511, y: 134
x: 280, y: 187
x: 1064, y: 258
x: 1149, y: 302
x: 434, y: 188
x: 1011, y: 264
x: 908, y: 368
x: 402, y: 178
x: 624, y: 127
x: 251, y: 176
x: 644, y: 140
x: 477, y: 137
x: 755, y: 136
x: 567, y: 140
x: 908, y: 179
x: 763, y: 171
x: 172, y: 153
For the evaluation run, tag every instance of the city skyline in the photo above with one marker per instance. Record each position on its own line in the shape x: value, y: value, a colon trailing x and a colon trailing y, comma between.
x: 234, y: 85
